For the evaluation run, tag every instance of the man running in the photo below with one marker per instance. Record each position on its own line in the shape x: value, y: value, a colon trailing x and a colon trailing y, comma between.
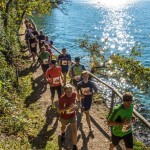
x: 33, y: 46
x: 44, y: 59
x: 76, y: 71
x: 67, y: 110
x: 121, y: 119
x: 64, y: 60
x: 54, y: 77
x: 85, y: 89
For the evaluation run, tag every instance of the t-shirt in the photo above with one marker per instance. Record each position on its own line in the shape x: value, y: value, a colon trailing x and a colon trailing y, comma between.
x: 44, y: 57
x: 40, y: 38
x: 84, y: 88
x: 77, y: 70
x: 64, y: 60
x: 33, y: 43
x: 54, y: 75
x: 65, y: 102
x: 120, y: 114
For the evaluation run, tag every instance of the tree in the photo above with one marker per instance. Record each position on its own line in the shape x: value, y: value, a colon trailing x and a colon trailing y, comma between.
x: 117, y: 66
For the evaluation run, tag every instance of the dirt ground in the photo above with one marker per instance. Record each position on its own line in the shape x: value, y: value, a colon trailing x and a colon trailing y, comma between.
x: 98, y: 140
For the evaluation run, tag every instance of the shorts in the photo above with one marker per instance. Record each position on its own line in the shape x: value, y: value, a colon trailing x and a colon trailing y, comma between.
x: 53, y: 88
x: 64, y: 69
x: 86, y: 104
x: 45, y: 67
x: 128, y: 140
x: 33, y: 50
x: 68, y: 121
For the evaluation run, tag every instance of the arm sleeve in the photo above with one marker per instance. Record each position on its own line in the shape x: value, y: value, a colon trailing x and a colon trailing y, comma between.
x: 94, y: 87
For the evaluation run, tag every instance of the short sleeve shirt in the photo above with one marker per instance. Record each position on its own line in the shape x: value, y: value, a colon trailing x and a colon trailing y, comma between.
x: 65, y: 102
x: 120, y: 114
x: 54, y: 75
x: 64, y: 60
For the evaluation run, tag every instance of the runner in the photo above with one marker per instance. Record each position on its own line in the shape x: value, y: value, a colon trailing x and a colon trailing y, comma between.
x: 76, y: 71
x: 33, y: 46
x: 64, y: 60
x: 44, y: 59
x: 47, y: 41
x: 67, y: 110
x: 54, y: 77
x: 41, y: 39
x: 121, y: 119
x: 85, y: 92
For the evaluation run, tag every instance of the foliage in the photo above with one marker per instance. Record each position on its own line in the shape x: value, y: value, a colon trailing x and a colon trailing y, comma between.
x: 140, y: 146
x: 118, y: 66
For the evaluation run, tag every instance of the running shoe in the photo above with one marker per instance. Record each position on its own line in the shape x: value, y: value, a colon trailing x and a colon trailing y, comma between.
x: 53, y: 106
x: 91, y: 129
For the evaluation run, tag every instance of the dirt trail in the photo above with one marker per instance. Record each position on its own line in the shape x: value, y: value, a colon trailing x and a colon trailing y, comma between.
x: 98, y: 140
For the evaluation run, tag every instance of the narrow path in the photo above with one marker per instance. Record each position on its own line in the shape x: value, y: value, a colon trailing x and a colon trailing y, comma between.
x: 98, y: 140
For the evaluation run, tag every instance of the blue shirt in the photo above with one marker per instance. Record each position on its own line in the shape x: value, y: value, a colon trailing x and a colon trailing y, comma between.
x: 64, y: 61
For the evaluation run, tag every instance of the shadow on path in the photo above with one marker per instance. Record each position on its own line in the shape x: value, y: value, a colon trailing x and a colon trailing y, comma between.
x: 33, y: 67
x: 45, y: 135
x: 39, y: 87
x: 102, y: 131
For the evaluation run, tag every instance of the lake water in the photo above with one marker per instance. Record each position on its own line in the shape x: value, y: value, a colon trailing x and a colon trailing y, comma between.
x: 122, y: 22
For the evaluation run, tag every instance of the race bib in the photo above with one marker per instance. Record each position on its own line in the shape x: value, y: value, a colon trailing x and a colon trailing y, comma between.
x: 70, y: 111
x: 77, y: 78
x: 85, y: 91
x: 56, y: 80
x: 64, y: 62
x: 126, y: 128
x: 45, y: 61
x: 33, y: 45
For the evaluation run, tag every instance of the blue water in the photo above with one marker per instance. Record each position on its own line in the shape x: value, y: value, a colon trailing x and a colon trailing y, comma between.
x: 122, y: 22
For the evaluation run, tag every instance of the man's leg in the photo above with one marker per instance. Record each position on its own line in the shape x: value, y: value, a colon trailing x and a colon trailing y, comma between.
x: 115, y: 141
x: 52, y: 90
x: 128, y: 139
x: 59, y: 91
x: 63, y: 129
x: 88, y: 118
x: 74, y: 132
x: 74, y: 135
x: 111, y: 146
x: 64, y: 75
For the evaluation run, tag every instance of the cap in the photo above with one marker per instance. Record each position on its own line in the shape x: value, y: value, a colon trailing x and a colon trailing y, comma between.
x: 77, y: 59
x: 53, y: 62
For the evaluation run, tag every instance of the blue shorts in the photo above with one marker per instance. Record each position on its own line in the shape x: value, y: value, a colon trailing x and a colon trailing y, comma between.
x: 65, y: 69
x: 86, y: 104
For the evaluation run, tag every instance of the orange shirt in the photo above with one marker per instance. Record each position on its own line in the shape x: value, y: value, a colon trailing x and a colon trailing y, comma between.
x: 54, y: 75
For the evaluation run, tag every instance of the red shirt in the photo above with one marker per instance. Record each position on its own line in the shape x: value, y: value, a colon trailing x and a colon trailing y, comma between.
x: 65, y: 102
x: 54, y: 75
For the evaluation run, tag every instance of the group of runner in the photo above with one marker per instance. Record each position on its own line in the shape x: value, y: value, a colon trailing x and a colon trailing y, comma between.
x: 55, y: 74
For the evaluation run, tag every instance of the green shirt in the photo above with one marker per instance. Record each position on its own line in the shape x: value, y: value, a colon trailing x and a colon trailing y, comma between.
x: 120, y: 114
x: 44, y: 57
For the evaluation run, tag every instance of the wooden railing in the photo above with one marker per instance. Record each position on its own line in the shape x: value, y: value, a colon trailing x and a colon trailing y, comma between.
x: 114, y: 92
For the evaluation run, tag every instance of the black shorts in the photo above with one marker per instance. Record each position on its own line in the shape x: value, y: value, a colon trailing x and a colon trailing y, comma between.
x: 128, y: 140
x: 86, y: 104
x: 45, y: 67
x: 33, y: 50
x: 53, y: 88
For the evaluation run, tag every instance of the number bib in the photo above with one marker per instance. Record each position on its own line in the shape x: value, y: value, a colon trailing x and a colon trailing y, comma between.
x: 45, y: 61
x: 56, y: 80
x: 85, y: 91
x: 64, y: 62
x: 126, y: 128
x: 77, y: 78
x: 70, y: 111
